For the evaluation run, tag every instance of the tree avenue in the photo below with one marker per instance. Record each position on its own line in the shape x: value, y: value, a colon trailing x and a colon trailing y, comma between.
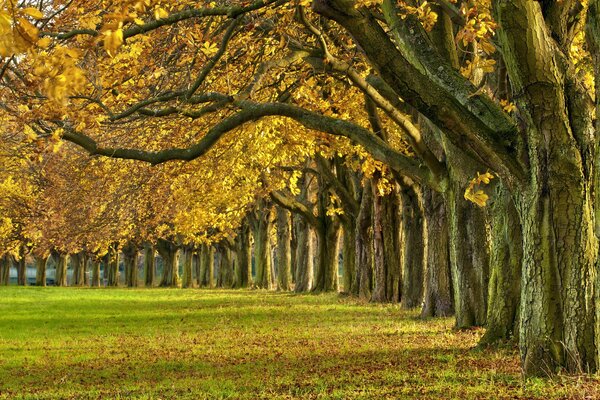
x: 446, y: 150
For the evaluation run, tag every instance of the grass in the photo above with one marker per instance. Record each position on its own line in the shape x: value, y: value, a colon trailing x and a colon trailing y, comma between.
x: 61, y: 343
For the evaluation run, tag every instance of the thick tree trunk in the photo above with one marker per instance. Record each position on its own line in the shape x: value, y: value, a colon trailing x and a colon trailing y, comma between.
x: 40, y: 270
x: 5, y: 270
x: 111, y: 269
x: 188, y: 255
x: 326, y: 271
x: 243, y: 257
x: 95, y: 272
x: 130, y: 261
x: 61, y: 270
x: 505, y: 270
x: 225, y: 269
x: 414, y: 249
x: 21, y: 266
x: 262, y: 248
x: 284, y: 251
x: 348, y: 253
x: 560, y: 250
x: 207, y: 266
x: 362, y: 286
x: 170, y: 255
x: 386, y: 241
x: 78, y: 265
x: 304, y: 256
x: 438, y: 301
x: 149, y: 265
x: 469, y: 255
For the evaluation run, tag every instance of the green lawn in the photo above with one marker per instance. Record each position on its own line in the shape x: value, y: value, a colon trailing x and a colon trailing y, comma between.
x: 162, y: 344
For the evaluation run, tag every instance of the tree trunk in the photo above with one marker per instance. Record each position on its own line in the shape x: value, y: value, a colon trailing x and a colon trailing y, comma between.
x: 386, y: 247
x: 363, y: 282
x: 5, y: 270
x: 21, y: 269
x: 469, y: 256
x: 188, y: 255
x: 244, y: 257
x: 348, y: 253
x: 61, y: 270
x: 40, y: 270
x: 284, y: 252
x: 170, y: 255
x: 96, y: 272
x: 149, y: 265
x: 414, y: 249
x: 505, y: 270
x: 326, y: 274
x: 262, y: 248
x: 207, y: 266
x: 225, y: 269
x: 304, y: 256
x: 78, y: 265
x: 130, y: 261
x: 438, y: 301
x: 111, y: 269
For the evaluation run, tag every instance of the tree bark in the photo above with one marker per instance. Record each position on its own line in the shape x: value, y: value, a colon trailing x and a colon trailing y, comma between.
x: 284, y: 251
x: 414, y: 249
x: 149, y: 265
x: 387, y: 287
x: 61, y: 270
x: 130, y: 261
x: 244, y: 257
x: 5, y: 270
x: 207, y: 266
x: 170, y: 255
x: 40, y: 270
x: 469, y: 255
x: 505, y: 270
x: 111, y: 269
x: 438, y: 301
x: 262, y: 247
x: 304, y: 256
x: 21, y: 266
x: 363, y: 282
x: 96, y: 282
x: 78, y: 265
x: 225, y: 268
x: 188, y: 255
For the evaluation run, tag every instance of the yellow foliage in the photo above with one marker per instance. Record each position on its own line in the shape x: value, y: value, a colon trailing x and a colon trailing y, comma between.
x: 474, y: 194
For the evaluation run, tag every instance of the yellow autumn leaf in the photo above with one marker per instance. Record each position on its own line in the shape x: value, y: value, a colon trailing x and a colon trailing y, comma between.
x: 113, y: 40
x: 33, y: 12
x: 44, y: 42
x: 160, y: 13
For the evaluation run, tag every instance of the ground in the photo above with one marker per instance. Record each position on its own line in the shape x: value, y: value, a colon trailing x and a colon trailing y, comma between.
x: 59, y: 343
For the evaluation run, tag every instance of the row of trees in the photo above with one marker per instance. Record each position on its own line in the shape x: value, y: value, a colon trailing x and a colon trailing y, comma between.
x: 403, y: 99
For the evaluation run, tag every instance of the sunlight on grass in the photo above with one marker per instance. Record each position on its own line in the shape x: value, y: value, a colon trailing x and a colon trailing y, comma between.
x: 58, y: 343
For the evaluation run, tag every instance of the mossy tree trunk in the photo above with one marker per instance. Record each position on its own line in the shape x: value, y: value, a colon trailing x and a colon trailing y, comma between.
x: 225, y: 267
x: 169, y: 252
x: 5, y: 270
x: 438, y: 301
x: 386, y: 273
x: 469, y: 255
x: 414, y: 248
x: 149, y: 265
x: 362, y: 285
x: 111, y: 268
x: 207, y: 266
x: 304, y: 256
x: 130, y: 261
x: 261, y: 227
x: 505, y: 270
x: 96, y: 280
x: 243, y: 257
x: 78, y: 265
x: 61, y: 269
x: 284, y: 251
x: 40, y: 270
x: 188, y: 258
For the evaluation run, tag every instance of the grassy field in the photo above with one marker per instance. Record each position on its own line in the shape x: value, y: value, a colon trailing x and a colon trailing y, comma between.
x: 194, y: 344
